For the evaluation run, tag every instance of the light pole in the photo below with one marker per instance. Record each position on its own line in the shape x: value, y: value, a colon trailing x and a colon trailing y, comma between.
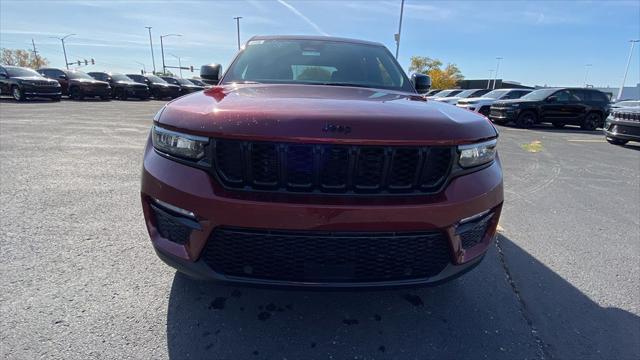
x: 399, y: 30
x: 238, y: 28
x: 142, y: 64
x: 490, y: 77
x: 164, y: 70
x: 586, y: 73
x: 626, y: 70
x: 153, y: 60
x: 496, y: 75
x: 179, y: 64
x: 66, y: 62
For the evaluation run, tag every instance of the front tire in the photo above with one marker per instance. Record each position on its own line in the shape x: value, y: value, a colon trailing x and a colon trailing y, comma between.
x: 17, y: 93
x: 591, y: 121
x: 76, y: 94
x: 526, y: 119
x: 617, y: 141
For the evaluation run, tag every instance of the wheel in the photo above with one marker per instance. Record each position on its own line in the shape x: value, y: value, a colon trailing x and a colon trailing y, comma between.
x: 76, y: 94
x: 617, y: 141
x: 485, y: 110
x: 526, y: 120
x: 123, y: 94
x: 591, y: 121
x: 17, y: 93
x: 558, y: 125
x: 106, y: 97
x: 156, y: 94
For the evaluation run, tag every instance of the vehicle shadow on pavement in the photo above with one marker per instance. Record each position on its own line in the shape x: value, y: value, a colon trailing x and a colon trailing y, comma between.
x: 569, y: 129
x: 511, y: 306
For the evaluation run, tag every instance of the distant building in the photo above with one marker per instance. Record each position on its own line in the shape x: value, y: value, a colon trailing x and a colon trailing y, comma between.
x: 628, y: 92
x: 488, y: 83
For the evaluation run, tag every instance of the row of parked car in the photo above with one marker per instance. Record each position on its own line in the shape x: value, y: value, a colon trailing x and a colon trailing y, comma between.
x: 584, y: 107
x: 23, y: 83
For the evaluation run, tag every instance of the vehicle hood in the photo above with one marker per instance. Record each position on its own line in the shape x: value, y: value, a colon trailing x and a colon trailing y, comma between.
x: 515, y: 101
x: 476, y: 100
x: 33, y: 78
x: 88, y: 81
x: 301, y: 113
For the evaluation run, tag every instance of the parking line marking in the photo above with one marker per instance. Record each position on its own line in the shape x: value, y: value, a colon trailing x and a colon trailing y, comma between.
x: 586, y: 140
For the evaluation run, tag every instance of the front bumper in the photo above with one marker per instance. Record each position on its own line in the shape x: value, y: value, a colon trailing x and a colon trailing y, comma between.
x: 503, y: 114
x: 622, y: 130
x: 44, y: 91
x: 196, y: 191
x: 95, y: 91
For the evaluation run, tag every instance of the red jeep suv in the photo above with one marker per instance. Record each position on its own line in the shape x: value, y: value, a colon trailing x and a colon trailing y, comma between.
x: 314, y: 162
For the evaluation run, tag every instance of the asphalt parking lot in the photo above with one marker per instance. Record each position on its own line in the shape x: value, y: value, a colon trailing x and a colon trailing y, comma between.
x: 81, y: 281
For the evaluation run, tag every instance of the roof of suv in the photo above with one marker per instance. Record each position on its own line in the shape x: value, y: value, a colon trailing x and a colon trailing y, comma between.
x: 310, y: 37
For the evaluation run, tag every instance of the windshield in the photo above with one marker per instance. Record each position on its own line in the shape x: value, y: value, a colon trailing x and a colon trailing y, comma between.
x: 120, y: 77
x: 78, y: 75
x: 156, y: 80
x: 319, y: 62
x: 197, y: 82
x: 17, y: 72
x: 447, y: 93
x: 466, y: 93
x: 495, y: 94
x: 539, y: 94
x: 184, y: 82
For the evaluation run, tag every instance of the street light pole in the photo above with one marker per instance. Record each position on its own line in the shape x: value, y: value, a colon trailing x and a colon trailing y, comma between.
x: 399, y: 29
x: 496, y: 75
x: 66, y: 62
x: 142, y: 64
x: 626, y: 70
x: 179, y: 64
x: 153, y: 60
x: 586, y: 73
x: 238, y: 28
x: 164, y: 69
x: 490, y: 77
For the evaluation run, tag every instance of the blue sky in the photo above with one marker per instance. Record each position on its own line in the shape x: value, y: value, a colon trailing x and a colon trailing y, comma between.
x: 542, y: 42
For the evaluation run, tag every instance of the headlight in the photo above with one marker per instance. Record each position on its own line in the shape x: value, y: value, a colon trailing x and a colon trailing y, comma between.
x: 477, y: 154
x: 177, y: 144
x: 515, y: 105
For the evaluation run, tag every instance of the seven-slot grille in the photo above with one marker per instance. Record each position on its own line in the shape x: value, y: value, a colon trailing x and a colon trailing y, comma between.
x: 310, y: 168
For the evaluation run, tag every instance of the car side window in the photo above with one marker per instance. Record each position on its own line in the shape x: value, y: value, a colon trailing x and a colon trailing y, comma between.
x: 562, y: 96
x: 579, y: 96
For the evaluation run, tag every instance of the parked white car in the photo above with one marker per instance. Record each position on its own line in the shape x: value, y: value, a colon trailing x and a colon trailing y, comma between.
x: 445, y: 93
x: 483, y: 104
x: 453, y: 100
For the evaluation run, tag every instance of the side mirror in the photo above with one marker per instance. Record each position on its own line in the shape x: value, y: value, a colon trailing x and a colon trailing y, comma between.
x: 552, y: 99
x: 421, y: 82
x: 211, y: 73
x: 62, y: 77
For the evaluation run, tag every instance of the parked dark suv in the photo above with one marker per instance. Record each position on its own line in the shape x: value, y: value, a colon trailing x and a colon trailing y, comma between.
x: 186, y: 86
x: 315, y: 162
x: 22, y: 83
x: 158, y: 88
x: 565, y: 106
x: 78, y: 85
x: 123, y: 87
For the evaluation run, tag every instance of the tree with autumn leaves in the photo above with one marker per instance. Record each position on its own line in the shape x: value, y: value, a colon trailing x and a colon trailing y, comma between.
x: 23, y: 58
x: 446, y: 78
